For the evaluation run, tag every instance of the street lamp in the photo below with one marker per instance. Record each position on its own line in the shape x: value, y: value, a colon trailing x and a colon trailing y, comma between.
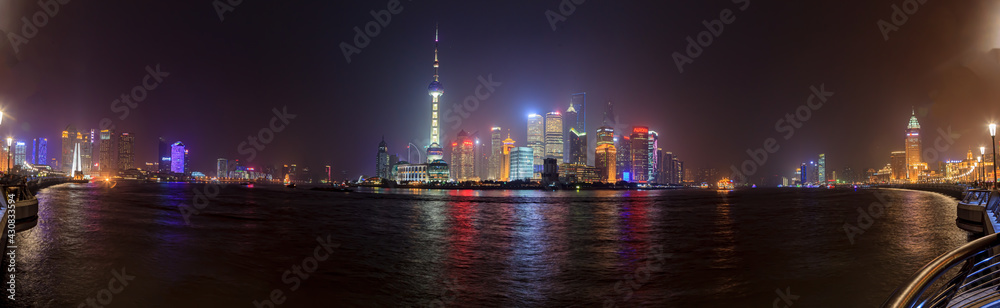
x: 979, y: 161
x: 9, y: 140
x: 993, y: 137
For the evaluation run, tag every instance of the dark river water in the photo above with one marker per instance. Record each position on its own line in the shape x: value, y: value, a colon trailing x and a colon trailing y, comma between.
x: 132, y: 246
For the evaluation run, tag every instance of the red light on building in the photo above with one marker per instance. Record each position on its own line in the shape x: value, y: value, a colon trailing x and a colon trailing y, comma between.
x: 640, y: 130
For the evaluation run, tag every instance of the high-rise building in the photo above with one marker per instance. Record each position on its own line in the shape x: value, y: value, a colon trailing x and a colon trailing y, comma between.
x: 87, y: 165
x: 126, y: 151
x: 606, y: 156
x: 463, y: 158
x: 554, y: 136
x: 897, y: 162
x: 178, y: 158
x: 39, y: 151
x: 382, y: 160
x: 434, y: 151
x: 803, y: 174
x: 70, y: 138
x: 20, y: 153
x: 822, y: 169
x: 640, y: 154
x: 508, y: 145
x: 913, y: 161
x: 163, y: 155
x: 654, y: 157
x: 568, y: 123
x: 624, y: 161
x: 496, y: 154
x: 536, y: 141
x: 222, y: 168
x: 107, y: 153
x: 577, y: 147
x: 481, y: 171
x: 579, y: 102
x: 522, y: 164
x: 609, y: 116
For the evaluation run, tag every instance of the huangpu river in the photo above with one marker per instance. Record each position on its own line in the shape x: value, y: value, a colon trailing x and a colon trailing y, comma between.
x: 147, y: 245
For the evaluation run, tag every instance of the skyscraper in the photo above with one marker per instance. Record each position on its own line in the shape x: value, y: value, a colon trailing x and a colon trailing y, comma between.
x: 522, y: 163
x: 640, y: 154
x: 222, y: 168
x: 508, y: 145
x: 568, y: 123
x: 382, y: 160
x: 497, y: 153
x: 536, y: 141
x: 126, y: 151
x: 434, y: 151
x: 897, y: 161
x: 70, y: 138
x: 463, y: 158
x: 803, y: 174
x: 87, y: 152
x: 577, y: 147
x: 606, y: 156
x: 624, y: 161
x: 39, y: 151
x: 178, y: 153
x: 20, y: 153
x: 107, y: 154
x: 554, y: 136
x: 913, y: 163
x: 654, y: 157
x: 822, y: 169
x: 579, y: 102
x: 163, y: 156
x: 481, y: 169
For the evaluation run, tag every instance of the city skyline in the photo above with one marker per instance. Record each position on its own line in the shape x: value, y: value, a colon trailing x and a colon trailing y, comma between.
x: 684, y: 123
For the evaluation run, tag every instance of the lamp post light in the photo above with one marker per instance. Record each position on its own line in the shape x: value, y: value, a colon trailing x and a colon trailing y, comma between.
x: 993, y: 137
x: 9, y: 158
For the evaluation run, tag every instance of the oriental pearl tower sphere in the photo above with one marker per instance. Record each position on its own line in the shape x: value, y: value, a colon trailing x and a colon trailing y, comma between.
x: 434, y: 150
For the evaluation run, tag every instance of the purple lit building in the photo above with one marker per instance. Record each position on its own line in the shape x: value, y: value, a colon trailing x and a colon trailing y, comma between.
x: 178, y: 155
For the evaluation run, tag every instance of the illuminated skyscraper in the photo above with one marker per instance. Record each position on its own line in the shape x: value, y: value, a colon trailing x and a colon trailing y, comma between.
x: 577, y: 147
x: 654, y: 157
x: 606, y: 156
x: 108, y: 155
x: 126, y: 151
x: 178, y: 155
x: 163, y: 156
x: 822, y: 169
x: 382, y: 160
x: 463, y: 158
x: 579, y: 102
x: 913, y: 161
x: 640, y: 154
x: 522, y: 164
x: 70, y: 138
x: 897, y: 161
x: 497, y: 153
x: 39, y: 151
x: 508, y: 145
x: 624, y: 161
x: 536, y: 141
x: 481, y: 170
x: 434, y: 151
x: 554, y: 136
x: 222, y: 168
x: 568, y: 123
x: 20, y: 153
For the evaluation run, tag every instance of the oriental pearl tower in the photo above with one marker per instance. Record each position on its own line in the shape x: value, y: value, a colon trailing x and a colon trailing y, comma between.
x: 434, y: 150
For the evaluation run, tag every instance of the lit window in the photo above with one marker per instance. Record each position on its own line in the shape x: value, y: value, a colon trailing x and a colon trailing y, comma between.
x: 435, y: 122
x: 435, y: 107
x: 434, y: 115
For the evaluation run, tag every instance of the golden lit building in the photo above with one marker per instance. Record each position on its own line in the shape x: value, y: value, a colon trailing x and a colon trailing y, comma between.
x: 508, y: 144
x: 913, y: 161
x: 462, y: 158
x: 605, y: 158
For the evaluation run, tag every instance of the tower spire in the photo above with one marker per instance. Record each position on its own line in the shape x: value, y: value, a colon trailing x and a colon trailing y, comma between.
x: 436, y: 63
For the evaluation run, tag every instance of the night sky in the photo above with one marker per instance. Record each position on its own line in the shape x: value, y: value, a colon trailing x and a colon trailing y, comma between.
x: 227, y: 76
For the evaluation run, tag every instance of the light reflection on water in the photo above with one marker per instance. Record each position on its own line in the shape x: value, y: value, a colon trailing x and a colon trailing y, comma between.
x: 477, y: 248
